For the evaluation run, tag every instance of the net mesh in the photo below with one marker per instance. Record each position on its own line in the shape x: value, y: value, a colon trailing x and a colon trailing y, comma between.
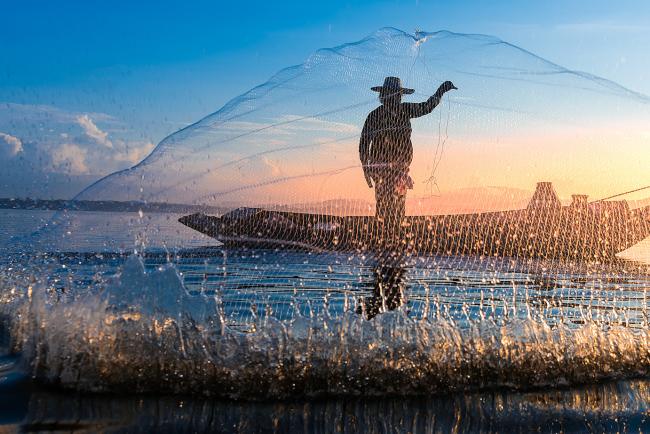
x: 495, y: 268
x: 293, y: 141
x: 282, y: 161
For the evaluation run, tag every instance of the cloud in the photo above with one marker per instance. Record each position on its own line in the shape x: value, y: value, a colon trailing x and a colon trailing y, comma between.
x: 93, y: 131
x: 70, y: 159
x: 132, y: 152
x: 60, y: 150
x: 14, y: 143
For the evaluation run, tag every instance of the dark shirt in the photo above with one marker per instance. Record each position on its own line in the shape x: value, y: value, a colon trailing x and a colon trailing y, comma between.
x: 386, y: 134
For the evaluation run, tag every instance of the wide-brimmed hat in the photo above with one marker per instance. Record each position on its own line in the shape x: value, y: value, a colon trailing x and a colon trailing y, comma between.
x: 392, y: 85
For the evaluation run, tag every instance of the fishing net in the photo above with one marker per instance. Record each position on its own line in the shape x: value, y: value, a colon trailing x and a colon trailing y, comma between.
x: 496, y: 274
x: 292, y: 143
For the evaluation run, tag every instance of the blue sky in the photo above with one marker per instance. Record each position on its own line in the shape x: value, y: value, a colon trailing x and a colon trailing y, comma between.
x: 125, y: 74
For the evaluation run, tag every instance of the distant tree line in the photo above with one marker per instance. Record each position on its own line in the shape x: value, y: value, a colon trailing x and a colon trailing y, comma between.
x: 104, y: 205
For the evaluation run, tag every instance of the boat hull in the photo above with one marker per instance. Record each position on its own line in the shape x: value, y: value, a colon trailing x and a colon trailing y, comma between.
x: 563, y: 234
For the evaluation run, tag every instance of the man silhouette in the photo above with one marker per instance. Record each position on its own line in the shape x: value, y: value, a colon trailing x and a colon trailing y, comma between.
x: 385, y: 147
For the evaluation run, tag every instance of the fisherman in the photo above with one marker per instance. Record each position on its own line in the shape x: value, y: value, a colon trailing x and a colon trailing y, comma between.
x: 385, y: 146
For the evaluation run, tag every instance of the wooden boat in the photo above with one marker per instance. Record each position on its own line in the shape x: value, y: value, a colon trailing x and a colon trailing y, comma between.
x: 545, y: 229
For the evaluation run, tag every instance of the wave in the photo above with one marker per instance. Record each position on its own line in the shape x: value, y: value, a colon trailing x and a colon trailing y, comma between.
x: 144, y: 332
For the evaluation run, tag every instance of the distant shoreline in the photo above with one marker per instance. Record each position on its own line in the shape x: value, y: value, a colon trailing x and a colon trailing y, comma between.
x: 103, y: 205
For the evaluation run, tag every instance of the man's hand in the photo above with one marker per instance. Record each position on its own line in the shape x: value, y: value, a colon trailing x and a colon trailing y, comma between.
x: 444, y: 88
x: 368, y: 178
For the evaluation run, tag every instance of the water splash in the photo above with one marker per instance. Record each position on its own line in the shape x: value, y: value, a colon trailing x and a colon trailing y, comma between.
x: 144, y: 332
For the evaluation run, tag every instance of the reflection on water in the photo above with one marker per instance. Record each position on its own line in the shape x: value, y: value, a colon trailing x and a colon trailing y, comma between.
x: 611, y: 407
x: 389, y: 285
x: 260, y: 283
x: 387, y: 291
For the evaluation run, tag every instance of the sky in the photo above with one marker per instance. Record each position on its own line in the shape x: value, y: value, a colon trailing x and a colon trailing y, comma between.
x: 90, y: 87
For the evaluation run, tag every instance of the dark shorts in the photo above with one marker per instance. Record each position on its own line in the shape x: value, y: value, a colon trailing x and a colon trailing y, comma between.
x: 390, y: 193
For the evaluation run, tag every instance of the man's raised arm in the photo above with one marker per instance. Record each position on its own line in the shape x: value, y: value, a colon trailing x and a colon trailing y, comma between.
x: 417, y: 109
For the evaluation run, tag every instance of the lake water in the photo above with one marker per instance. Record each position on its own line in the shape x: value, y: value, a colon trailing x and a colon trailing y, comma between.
x: 129, y: 322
